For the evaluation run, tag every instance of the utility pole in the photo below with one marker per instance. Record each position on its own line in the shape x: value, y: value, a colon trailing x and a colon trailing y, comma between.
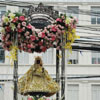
x: 15, y: 75
x: 63, y: 69
x: 57, y: 73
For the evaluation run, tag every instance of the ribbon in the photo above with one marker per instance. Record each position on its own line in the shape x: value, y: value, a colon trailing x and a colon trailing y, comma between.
x: 13, y: 54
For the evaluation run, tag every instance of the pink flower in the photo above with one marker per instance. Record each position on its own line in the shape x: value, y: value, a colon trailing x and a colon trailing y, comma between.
x: 49, y: 26
x: 23, y: 28
x: 58, y: 20
x: 46, y: 37
x: 21, y: 18
x: 29, y: 45
x: 19, y: 25
x: 54, y: 29
x: 43, y: 35
x: 24, y: 23
x: 33, y: 28
x: 3, y: 38
x: 30, y: 51
x: 27, y: 33
x: 53, y: 37
x: 29, y: 26
x: 32, y: 38
x: 62, y: 17
x: 15, y: 20
x: 32, y: 46
x: 58, y: 48
x: 47, y: 99
x: 30, y: 98
x: 20, y: 30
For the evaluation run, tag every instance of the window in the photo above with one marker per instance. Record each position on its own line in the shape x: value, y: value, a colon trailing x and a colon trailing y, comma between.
x: 73, y: 92
x: 95, y: 58
x: 73, y: 58
x: 2, y: 12
x: 48, y: 56
x: 2, y: 55
x: 23, y: 57
x: 1, y: 92
x: 96, y: 92
x: 95, y: 15
x: 21, y: 9
x: 73, y: 11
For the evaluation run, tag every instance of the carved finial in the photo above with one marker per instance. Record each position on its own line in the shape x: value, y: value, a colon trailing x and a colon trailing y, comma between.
x: 41, y: 9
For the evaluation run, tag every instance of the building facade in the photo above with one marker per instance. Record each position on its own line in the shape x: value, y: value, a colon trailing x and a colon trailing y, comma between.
x: 81, y: 66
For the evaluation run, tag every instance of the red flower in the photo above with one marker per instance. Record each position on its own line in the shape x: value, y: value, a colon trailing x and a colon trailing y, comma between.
x: 58, y: 20
x: 20, y: 30
x: 40, y: 43
x: 43, y: 35
x: 15, y: 19
x: 21, y: 18
x: 8, y: 29
x: 29, y: 45
x: 44, y: 49
x: 32, y: 38
x: 54, y: 29
x: 53, y: 38
x: 29, y: 26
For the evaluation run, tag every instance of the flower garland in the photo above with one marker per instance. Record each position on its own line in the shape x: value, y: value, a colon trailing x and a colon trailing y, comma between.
x: 33, y: 40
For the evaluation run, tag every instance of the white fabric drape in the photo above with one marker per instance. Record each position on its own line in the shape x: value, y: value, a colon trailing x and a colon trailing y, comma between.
x: 23, y: 57
x: 48, y: 56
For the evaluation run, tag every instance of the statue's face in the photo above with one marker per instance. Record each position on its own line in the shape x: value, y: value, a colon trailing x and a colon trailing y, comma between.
x: 38, y: 61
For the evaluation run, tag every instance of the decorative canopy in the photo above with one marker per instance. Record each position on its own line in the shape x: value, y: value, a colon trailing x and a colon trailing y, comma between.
x: 30, y: 39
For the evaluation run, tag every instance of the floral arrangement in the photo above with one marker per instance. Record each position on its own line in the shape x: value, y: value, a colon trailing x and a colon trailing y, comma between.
x: 41, y: 98
x: 33, y: 40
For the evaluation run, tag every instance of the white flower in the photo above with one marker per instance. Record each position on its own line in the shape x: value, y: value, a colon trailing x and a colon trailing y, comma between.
x: 3, y: 30
x: 68, y: 20
x: 12, y: 16
x: 12, y: 26
x: 5, y: 19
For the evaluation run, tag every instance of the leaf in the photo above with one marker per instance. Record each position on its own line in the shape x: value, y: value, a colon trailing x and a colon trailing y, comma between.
x: 18, y: 14
x: 7, y: 13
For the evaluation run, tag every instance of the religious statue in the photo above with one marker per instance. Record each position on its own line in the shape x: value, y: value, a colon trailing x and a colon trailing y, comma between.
x: 37, y: 81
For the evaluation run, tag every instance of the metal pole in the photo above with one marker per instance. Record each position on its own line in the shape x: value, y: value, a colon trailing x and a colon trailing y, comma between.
x: 15, y: 75
x: 63, y: 69
x: 57, y: 72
